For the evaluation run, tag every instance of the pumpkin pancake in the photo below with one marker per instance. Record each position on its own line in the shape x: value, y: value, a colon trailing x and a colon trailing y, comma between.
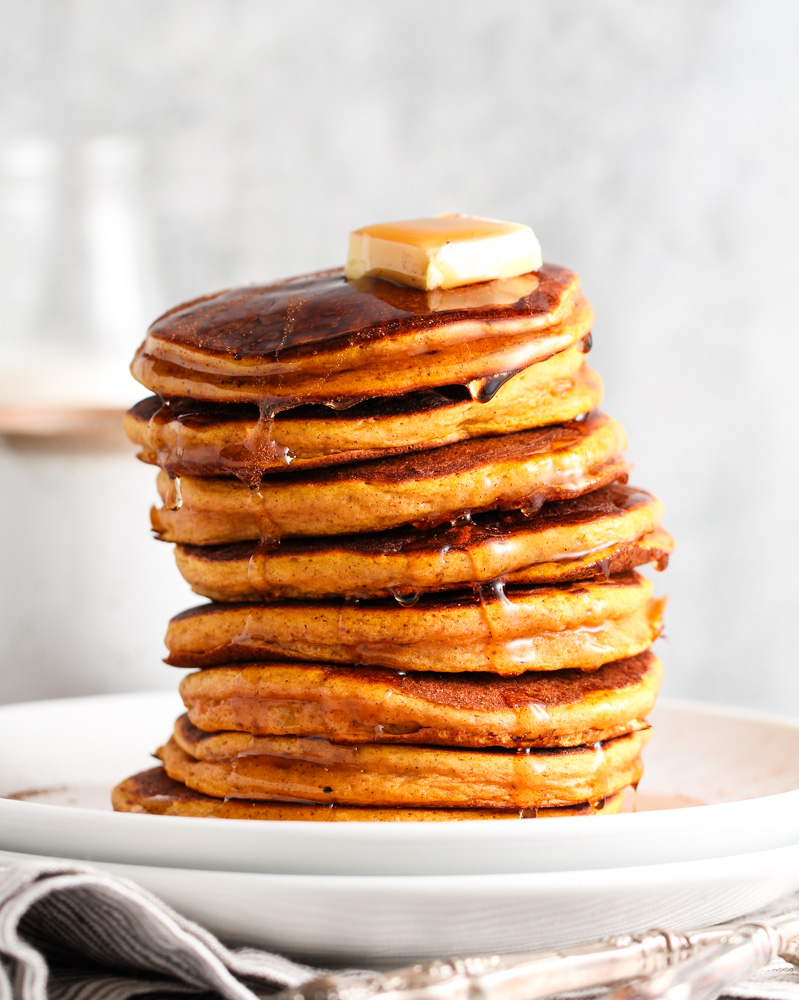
x: 610, y: 530
x: 367, y: 704
x: 320, y: 338
x: 507, y: 631
x: 237, y: 765
x: 155, y: 792
x: 424, y: 488
x: 187, y: 437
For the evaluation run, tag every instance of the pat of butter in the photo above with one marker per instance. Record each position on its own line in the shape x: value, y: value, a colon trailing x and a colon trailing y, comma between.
x: 443, y: 252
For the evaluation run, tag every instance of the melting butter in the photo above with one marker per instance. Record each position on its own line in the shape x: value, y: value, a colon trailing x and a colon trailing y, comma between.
x: 445, y: 251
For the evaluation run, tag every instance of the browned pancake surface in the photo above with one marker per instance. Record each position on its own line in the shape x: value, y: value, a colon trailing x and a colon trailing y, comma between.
x: 239, y: 765
x: 510, y: 631
x: 191, y: 351
x: 363, y: 704
x: 513, y: 471
x: 607, y: 531
x: 188, y: 437
x: 156, y: 793
x: 303, y: 317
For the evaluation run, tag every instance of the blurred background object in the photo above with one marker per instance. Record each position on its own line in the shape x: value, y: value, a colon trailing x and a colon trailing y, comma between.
x: 153, y: 150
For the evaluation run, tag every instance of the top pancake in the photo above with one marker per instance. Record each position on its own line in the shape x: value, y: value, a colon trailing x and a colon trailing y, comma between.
x: 321, y: 338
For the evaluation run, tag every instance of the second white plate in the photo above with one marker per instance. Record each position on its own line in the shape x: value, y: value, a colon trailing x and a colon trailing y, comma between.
x: 388, y: 921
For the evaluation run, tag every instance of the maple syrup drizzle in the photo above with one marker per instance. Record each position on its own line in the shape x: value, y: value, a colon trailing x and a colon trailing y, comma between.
x: 295, y: 319
x: 483, y: 390
x: 174, y: 495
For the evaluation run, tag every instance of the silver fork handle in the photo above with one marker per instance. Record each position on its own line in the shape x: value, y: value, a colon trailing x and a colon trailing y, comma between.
x: 692, y: 966
x: 716, y: 967
x: 514, y: 977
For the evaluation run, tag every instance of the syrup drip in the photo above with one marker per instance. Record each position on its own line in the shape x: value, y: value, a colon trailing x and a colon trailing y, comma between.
x: 483, y: 390
x: 587, y: 343
x: 407, y: 599
x: 532, y: 505
x: 461, y: 520
x: 527, y: 768
x: 164, y: 435
x: 248, y: 460
x: 174, y: 496
x: 261, y: 449
x: 345, y: 402
x: 257, y: 506
x: 603, y: 566
x: 256, y: 564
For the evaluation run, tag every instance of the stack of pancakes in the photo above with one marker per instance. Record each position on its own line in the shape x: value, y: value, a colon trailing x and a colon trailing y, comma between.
x: 420, y: 549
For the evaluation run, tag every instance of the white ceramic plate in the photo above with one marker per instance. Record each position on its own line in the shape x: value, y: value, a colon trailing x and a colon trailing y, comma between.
x: 746, y: 766
x: 390, y: 920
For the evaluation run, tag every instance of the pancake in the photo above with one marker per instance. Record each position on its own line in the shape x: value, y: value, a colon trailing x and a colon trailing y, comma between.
x: 610, y: 530
x: 367, y: 704
x: 237, y: 765
x: 187, y: 437
x: 508, y: 631
x: 156, y: 793
x: 320, y: 338
x: 423, y: 488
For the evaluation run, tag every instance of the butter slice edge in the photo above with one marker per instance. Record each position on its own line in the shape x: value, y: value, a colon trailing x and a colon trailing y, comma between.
x: 453, y: 262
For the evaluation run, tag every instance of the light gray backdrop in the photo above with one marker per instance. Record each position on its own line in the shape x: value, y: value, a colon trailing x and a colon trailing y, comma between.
x: 652, y: 146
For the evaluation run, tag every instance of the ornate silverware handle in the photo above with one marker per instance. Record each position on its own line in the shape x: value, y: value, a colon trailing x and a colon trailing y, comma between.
x: 708, y: 973
x: 517, y: 977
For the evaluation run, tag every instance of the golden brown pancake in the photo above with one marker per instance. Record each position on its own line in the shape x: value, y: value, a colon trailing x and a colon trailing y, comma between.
x: 607, y: 531
x: 368, y: 704
x: 188, y: 437
x: 237, y: 765
x: 581, y: 625
x: 156, y: 793
x: 426, y: 487
x: 321, y: 338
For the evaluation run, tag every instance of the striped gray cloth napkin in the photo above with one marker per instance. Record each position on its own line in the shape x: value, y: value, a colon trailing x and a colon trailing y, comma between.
x: 71, y: 932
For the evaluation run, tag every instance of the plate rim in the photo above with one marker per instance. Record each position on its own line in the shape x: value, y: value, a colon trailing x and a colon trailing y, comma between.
x: 381, y: 834
x: 745, y: 863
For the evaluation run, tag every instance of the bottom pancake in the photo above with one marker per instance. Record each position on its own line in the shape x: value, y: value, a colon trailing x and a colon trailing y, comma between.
x: 239, y: 765
x: 156, y: 793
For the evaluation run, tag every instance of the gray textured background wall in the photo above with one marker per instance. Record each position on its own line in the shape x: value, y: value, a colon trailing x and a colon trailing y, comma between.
x: 652, y: 146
